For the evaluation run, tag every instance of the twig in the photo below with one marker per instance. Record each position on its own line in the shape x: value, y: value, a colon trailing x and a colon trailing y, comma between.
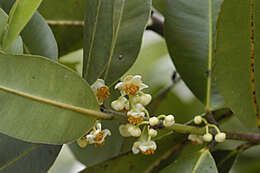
x: 163, y: 93
x: 157, y: 24
x: 65, y: 23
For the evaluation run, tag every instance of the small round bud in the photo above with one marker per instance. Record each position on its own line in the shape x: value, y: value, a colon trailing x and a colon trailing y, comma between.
x: 123, y: 129
x: 145, y: 99
x: 118, y: 105
x: 207, y: 137
x: 169, y: 118
x: 152, y: 132
x: 134, y: 131
x: 154, y: 121
x: 220, y: 137
x: 197, y: 120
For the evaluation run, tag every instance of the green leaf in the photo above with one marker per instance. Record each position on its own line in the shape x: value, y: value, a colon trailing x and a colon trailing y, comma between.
x: 113, y: 36
x: 19, y: 156
x: 160, y: 5
x: 190, y: 35
x: 236, y: 65
x: 19, y: 15
x: 224, y: 159
x: 37, y: 35
x: 46, y: 108
x: 39, y: 39
x: 198, y: 162
x: 16, y: 47
x: 129, y: 162
x: 69, y: 37
x: 91, y: 155
x: 3, y: 23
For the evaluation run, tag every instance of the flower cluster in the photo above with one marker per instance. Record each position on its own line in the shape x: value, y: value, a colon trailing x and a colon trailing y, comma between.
x: 207, y: 137
x: 95, y: 136
x: 133, y: 102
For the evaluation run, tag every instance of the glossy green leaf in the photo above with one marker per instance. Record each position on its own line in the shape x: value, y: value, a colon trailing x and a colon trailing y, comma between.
x: 224, y: 159
x: 46, y: 108
x: 16, y: 47
x: 91, y: 155
x: 198, y: 162
x: 19, y: 15
x: 37, y: 35
x: 69, y: 37
x: 129, y: 163
x: 190, y: 34
x: 39, y: 39
x: 18, y: 156
x: 236, y: 68
x: 3, y: 22
x: 113, y: 36
x: 160, y: 5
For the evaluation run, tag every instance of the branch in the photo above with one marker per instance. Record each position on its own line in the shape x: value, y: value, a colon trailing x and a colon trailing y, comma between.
x: 157, y: 24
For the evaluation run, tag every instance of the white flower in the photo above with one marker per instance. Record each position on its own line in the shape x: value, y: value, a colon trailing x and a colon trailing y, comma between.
x: 136, y: 114
x: 154, y: 121
x: 131, y: 85
x: 134, y: 131
x: 145, y: 99
x: 152, y: 132
x: 100, y: 90
x: 195, y: 139
x: 197, y: 120
x: 207, y: 137
x: 220, y: 137
x: 123, y: 129
x: 120, y: 104
x: 97, y: 136
x: 168, y: 121
x: 146, y: 147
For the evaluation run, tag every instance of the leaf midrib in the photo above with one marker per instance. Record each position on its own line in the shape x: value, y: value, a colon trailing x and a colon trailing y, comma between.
x: 93, y: 38
x: 114, y: 40
x: 20, y: 156
x: 81, y: 110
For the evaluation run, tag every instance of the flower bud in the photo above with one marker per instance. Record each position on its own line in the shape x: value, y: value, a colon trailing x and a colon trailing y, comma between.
x: 82, y: 142
x: 118, y: 105
x: 145, y: 99
x: 134, y: 131
x: 169, y: 118
x: 197, y: 120
x: 207, y: 137
x: 154, y: 121
x: 168, y: 121
x: 152, y: 132
x: 220, y: 137
x: 123, y: 129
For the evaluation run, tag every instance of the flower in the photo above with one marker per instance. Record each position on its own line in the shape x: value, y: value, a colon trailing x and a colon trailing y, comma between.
x: 195, y: 139
x: 168, y: 121
x: 143, y: 99
x: 207, y: 137
x: 123, y: 129
x: 136, y: 114
x: 220, y: 137
x: 100, y: 90
x: 154, y: 121
x: 146, y: 147
x: 131, y: 85
x: 97, y: 136
x: 197, y: 119
x: 120, y: 104
x: 152, y: 132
